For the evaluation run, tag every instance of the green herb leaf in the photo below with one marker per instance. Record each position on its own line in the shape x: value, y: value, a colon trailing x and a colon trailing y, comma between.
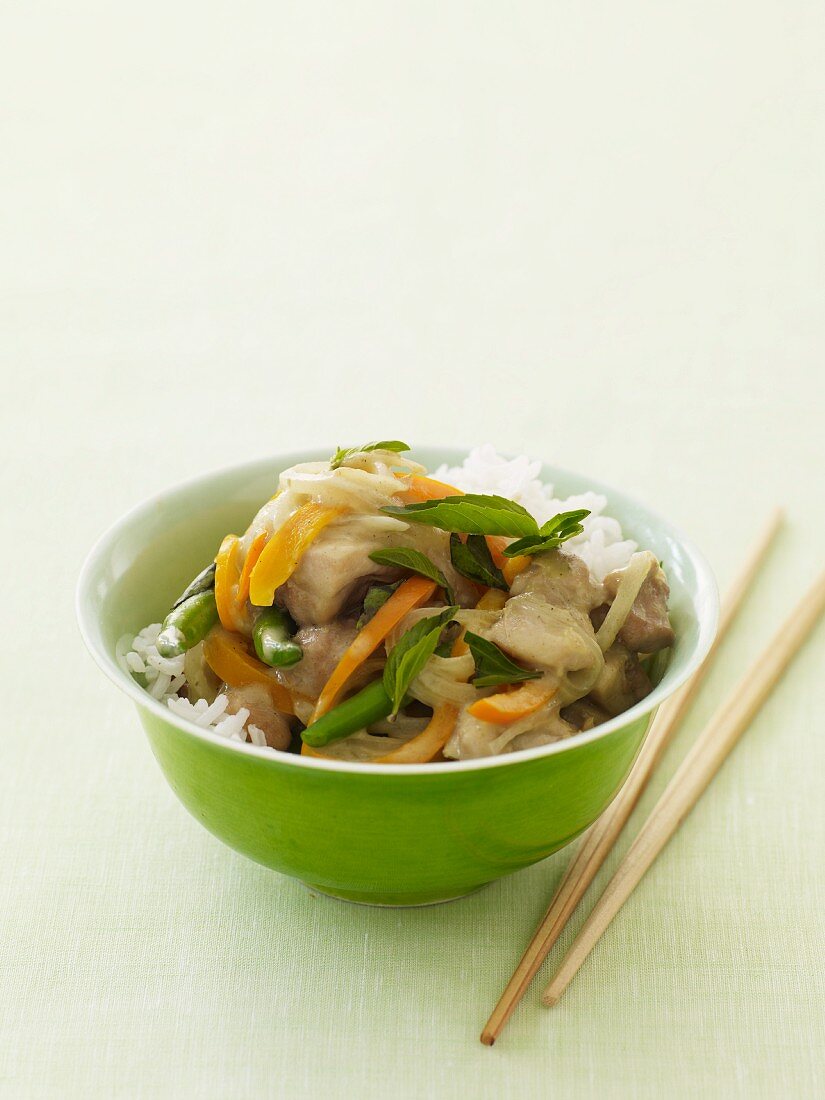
x: 343, y: 453
x: 408, y: 558
x: 473, y: 513
x: 377, y: 595
x: 564, y: 526
x: 411, y: 653
x: 473, y: 559
x: 494, y: 667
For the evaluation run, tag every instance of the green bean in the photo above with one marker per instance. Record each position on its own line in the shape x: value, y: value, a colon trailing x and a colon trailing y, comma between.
x: 187, y: 624
x: 273, y: 641
x: 204, y: 581
x: 371, y: 704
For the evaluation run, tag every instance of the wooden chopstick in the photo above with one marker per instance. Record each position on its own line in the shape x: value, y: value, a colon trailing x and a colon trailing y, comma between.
x: 602, y: 836
x: 693, y: 776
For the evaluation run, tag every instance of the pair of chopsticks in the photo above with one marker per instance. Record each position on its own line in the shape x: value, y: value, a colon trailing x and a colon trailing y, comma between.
x: 701, y: 764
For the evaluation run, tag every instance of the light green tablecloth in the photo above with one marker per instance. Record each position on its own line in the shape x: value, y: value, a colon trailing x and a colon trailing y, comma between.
x: 590, y: 232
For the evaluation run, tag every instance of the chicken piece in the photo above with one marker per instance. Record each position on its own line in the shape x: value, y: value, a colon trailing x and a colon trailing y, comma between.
x: 334, y: 574
x: 584, y: 714
x: 542, y: 635
x: 473, y: 738
x: 647, y: 627
x: 336, y: 570
x: 622, y: 681
x: 560, y: 579
x: 323, y: 648
x: 255, y: 698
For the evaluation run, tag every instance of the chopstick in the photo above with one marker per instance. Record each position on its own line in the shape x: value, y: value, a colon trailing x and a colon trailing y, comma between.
x: 602, y: 836
x: 692, y: 778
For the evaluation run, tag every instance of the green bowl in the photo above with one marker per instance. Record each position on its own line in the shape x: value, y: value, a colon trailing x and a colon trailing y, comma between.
x: 371, y: 833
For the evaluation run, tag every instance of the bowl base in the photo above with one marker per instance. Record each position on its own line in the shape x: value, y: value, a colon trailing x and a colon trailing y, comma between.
x: 388, y: 901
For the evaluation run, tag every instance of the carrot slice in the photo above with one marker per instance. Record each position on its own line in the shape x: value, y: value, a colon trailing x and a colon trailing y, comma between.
x: 413, y: 592
x: 427, y: 744
x: 279, y: 558
x: 508, y: 706
x: 230, y: 660
x: 510, y: 567
x: 227, y: 575
x: 254, y: 552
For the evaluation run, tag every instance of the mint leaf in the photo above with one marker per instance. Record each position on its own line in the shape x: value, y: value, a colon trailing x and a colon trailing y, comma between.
x: 344, y: 453
x: 473, y: 513
x: 563, y: 526
x: 494, y: 667
x: 408, y: 558
x: 412, y: 651
x: 473, y: 559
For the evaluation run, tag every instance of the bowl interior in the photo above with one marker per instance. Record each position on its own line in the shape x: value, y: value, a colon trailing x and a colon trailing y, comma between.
x: 146, y: 559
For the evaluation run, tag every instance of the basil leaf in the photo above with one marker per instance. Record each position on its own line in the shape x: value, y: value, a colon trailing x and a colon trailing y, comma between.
x: 377, y: 595
x: 343, y: 453
x: 412, y: 651
x: 494, y: 667
x: 408, y: 558
x: 473, y: 513
x: 473, y: 559
x: 564, y: 526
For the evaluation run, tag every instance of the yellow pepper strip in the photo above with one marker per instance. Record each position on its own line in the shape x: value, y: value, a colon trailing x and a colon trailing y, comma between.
x: 510, y: 567
x: 254, y: 552
x: 413, y: 592
x: 510, y: 706
x: 227, y: 575
x: 513, y: 566
x: 492, y: 600
x: 428, y: 743
x: 227, y: 656
x: 279, y: 558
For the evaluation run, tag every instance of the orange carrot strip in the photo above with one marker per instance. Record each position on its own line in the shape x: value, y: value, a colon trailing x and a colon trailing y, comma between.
x: 508, y: 706
x: 427, y: 744
x: 254, y: 552
x: 279, y: 558
x: 230, y: 660
x: 227, y: 574
x: 510, y: 567
x: 413, y: 592
x: 427, y: 488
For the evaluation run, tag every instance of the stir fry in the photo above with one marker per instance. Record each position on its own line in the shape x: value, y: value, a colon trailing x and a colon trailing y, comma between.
x: 373, y: 613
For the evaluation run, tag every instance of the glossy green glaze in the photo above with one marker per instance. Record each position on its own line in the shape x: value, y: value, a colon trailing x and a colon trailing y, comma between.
x: 396, y: 839
x: 384, y: 835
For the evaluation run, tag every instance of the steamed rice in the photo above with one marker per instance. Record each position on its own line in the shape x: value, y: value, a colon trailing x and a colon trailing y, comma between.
x: 601, y: 547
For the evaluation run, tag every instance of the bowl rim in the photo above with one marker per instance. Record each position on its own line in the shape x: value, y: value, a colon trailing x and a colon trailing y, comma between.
x: 707, y: 618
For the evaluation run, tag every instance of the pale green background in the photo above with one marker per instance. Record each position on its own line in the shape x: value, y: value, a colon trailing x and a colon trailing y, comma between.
x: 590, y: 231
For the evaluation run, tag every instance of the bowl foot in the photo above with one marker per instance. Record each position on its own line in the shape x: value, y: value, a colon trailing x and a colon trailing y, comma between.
x: 388, y: 901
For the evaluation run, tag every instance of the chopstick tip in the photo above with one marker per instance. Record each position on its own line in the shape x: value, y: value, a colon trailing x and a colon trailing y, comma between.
x: 548, y: 999
x: 488, y: 1037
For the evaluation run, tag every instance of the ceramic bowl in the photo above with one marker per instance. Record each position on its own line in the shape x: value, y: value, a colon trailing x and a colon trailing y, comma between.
x: 380, y: 834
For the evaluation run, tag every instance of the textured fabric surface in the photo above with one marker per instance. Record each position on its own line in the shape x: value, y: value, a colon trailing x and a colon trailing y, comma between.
x: 590, y: 232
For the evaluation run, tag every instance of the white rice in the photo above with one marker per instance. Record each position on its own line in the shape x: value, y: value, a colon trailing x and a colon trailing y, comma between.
x: 601, y: 546
x: 163, y: 678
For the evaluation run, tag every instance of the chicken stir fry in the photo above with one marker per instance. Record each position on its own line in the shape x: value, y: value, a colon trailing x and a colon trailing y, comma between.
x: 371, y: 613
